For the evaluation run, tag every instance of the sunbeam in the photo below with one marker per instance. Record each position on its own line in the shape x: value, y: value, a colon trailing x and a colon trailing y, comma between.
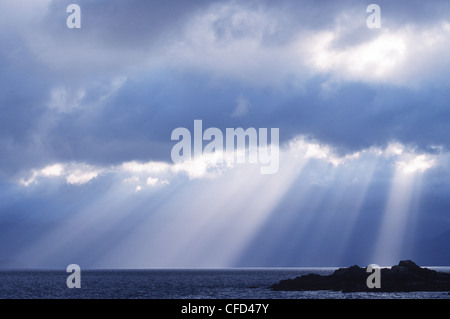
x: 406, y: 186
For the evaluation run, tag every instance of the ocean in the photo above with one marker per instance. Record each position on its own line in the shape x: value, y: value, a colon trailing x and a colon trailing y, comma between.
x: 178, y: 284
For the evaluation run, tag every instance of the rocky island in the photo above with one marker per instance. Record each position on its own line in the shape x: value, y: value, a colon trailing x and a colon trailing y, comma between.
x: 404, y: 277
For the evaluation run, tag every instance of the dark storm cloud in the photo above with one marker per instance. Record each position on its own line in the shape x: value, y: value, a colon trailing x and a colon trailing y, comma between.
x: 120, y: 39
x: 113, y: 91
x: 119, y: 24
x: 359, y: 116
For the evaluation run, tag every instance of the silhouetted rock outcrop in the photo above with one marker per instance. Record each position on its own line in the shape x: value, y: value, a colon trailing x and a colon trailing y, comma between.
x: 404, y: 277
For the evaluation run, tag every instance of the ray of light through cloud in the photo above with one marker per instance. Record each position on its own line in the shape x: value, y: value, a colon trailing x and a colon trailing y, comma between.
x: 182, y: 229
x: 86, y: 118
x: 406, y: 186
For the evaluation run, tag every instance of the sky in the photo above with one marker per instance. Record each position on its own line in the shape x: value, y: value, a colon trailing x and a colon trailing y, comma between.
x: 86, y: 117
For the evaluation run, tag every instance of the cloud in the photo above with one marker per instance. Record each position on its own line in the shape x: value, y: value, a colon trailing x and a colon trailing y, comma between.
x: 318, y: 192
x: 61, y: 101
x: 154, y: 181
x: 106, y: 94
x: 255, y: 43
x: 391, y: 57
x: 74, y: 173
x: 86, y: 118
x: 54, y: 170
x: 299, y: 149
x: 243, y: 105
x: 419, y: 163
x: 79, y: 177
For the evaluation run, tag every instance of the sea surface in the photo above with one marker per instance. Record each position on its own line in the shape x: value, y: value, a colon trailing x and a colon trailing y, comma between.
x: 178, y: 284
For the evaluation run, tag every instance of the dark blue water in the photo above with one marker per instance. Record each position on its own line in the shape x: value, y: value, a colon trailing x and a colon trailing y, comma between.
x: 176, y: 284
